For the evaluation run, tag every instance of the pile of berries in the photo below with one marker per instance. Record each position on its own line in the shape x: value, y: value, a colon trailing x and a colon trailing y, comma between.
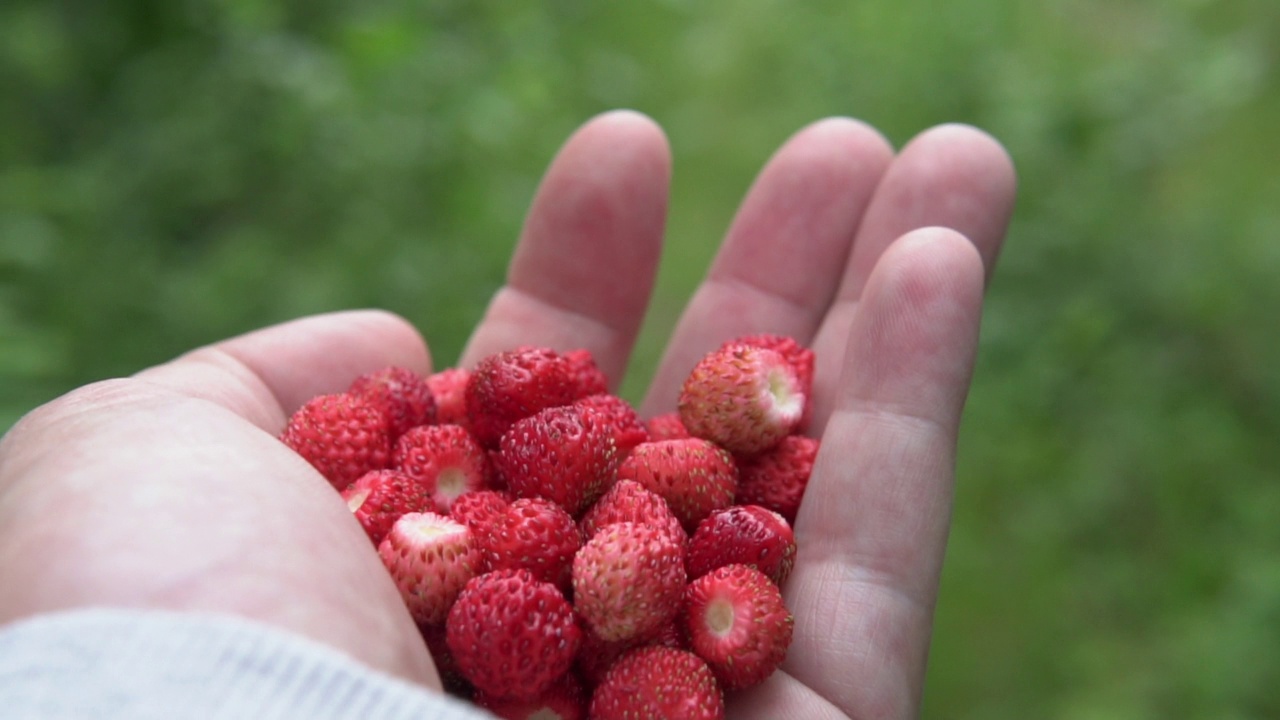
x: 559, y: 554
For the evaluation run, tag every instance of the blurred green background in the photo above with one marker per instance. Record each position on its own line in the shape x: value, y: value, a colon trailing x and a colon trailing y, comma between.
x: 175, y: 172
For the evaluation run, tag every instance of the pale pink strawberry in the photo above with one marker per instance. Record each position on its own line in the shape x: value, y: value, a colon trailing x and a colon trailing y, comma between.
x: 629, y: 501
x: 628, y: 580
x: 564, y: 454
x: 666, y: 426
x: 509, y: 386
x: 693, y: 475
x: 535, y: 535
x: 622, y: 419
x: 564, y: 700
x: 430, y: 558
x: 776, y: 479
x: 801, y: 359
x: 402, y: 395
x: 743, y: 398
x: 445, y: 459
x: 505, y: 612
x: 449, y: 388
x: 343, y: 437
x: 743, y: 534
x: 658, y: 683
x: 588, y: 376
x: 379, y: 497
x: 739, y: 624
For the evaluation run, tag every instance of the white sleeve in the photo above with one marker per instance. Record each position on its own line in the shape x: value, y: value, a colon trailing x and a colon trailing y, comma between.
x: 110, y: 664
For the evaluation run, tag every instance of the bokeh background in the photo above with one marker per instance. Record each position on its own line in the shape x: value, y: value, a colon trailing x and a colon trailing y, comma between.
x: 176, y: 171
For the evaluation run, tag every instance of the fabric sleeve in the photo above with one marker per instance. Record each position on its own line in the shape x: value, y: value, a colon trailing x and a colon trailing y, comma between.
x: 110, y: 664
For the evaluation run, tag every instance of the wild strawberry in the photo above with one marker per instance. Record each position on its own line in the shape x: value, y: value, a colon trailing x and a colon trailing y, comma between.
x: 628, y: 580
x: 564, y: 700
x: 693, y: 475
x: 445, y: 459
x: 666, y: 426
x: 449, y: 388
x: 739, y: 624
x: 379, y: 497
x: 743, y: 398
x: 509, y: 386
x: 535, y: 535
x: 401, y: 394
x: 745, y: 534
x: 588, y: 377
x: 511, y: 635
x: 800, y: 358
x: 629, y: 501
x: 658, y: 683
x: 343, y: 437
x: 430, y: 558
x: 776, y: 479
x: 621, y: 418
x: 477, y: 509
x: 564, y: 454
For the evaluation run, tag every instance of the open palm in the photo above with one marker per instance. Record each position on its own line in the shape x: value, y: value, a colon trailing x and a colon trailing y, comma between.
x: 169, y: 489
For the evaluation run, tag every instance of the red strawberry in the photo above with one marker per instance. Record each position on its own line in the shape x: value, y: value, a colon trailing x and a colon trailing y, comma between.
x: 564, y: 454
x: 535, y: 535
x: 666, y: 427
x: 629, y: 501
x: 505, y: 612
x: 621, y: 418
x: 509, y: 386
x: 477, y: 509
x: 742, y: 397
x: 431, y: 558
x: 628, y: 581
x: 739, y: 624
x: 342, y: 436
x: 588, y: 376
x: 776, y: 479
x: 401, y: 394
x: 745, y: 534
x: 445, y: 459
x: 693, y: 475
x: 449, y: 388
x: 379, y: 497
x: 658, y: 683
x: 564, y: 700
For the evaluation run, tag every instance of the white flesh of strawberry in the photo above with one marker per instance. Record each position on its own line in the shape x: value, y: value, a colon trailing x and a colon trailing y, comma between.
x: 783, y: 398
x: 451, y: 483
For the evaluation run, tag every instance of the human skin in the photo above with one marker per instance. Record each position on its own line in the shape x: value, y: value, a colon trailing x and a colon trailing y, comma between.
x: 170, y: 490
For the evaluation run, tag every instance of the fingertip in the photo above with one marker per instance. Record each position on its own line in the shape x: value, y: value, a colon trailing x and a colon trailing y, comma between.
x: 624, y: 133
x: 959, y: 153
x: 837, y: 127
x: 915, y: 336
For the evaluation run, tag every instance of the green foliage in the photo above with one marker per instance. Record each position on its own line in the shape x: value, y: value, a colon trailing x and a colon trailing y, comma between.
x: 173, y: 173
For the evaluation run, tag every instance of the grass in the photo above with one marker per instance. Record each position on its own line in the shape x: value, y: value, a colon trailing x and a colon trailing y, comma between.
x: 174, y: 173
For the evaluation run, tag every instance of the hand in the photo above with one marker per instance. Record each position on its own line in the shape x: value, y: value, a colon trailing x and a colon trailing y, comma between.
x: 170, y: 490
x: 827, y: 247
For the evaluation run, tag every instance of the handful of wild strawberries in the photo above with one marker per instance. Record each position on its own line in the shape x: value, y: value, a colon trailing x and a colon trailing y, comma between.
x: 562, y: 557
